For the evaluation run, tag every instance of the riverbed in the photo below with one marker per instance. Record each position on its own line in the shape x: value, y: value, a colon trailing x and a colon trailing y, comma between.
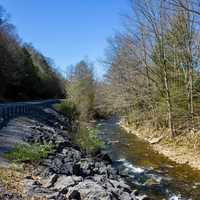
x: 145, y: 169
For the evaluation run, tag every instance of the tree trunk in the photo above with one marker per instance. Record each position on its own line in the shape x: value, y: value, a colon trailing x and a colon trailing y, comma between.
x: 190, y: 93
x: 168, y: 101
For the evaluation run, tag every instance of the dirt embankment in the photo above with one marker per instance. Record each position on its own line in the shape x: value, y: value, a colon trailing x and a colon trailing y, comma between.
x: 183, y: 149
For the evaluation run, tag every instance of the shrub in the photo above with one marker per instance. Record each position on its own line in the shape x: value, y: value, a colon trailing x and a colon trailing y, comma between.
x: 68, y: 109
x: 25, y: 152
x: 88, y: 140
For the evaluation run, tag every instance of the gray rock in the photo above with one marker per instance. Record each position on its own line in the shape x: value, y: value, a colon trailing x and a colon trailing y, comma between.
x: 125, y: 196
x: 143, y: 197
x: 120, y: 184
x: 49, y: 181
x: 64, y: 182
x: 89, y: 190
x: 75, y: 195
x: 105, y: 157
x: 5, y: 195
x: 34, y: 189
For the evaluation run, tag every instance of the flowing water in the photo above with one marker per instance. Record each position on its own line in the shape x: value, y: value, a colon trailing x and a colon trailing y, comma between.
x: 146, y: 170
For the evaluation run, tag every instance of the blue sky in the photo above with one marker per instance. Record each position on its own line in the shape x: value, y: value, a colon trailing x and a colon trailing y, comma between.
x: 67, y: 30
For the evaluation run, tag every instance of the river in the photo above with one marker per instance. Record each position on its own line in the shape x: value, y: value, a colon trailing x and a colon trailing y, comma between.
x: 146, y: 170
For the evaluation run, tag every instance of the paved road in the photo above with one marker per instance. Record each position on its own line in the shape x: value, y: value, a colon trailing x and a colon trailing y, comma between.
x: 15, y: 109
x: 18, y: 126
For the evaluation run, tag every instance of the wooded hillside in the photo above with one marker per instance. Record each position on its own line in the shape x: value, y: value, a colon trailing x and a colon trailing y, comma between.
x: 25, y: 74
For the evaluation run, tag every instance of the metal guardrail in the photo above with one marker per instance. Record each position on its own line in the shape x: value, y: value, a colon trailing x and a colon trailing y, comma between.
x: 12, y: 110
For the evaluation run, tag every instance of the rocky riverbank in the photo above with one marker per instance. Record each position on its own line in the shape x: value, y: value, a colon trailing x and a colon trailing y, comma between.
x: 6, y: 195
x: 68, y: 172
x: 177, y: 149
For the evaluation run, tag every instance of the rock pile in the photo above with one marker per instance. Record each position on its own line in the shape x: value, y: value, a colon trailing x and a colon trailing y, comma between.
x: 69, y: 173
x: 5, y: 195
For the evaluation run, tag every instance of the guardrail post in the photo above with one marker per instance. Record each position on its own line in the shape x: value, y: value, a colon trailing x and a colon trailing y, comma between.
x: 11, y: 112
x: 1, y: 116
x: 3, y: 113
x: 7, y: 113
x: 16, y: 110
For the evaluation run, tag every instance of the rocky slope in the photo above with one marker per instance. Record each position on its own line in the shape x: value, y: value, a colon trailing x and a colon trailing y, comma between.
x: 5, y: 195
x: 68, y: 172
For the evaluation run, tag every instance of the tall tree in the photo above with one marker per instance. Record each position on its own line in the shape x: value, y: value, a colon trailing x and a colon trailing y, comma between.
x: 81, y: 90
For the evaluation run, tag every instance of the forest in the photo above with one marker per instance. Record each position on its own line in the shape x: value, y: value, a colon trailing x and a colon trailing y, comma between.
x: 153, y: 74
x: 152, y: 69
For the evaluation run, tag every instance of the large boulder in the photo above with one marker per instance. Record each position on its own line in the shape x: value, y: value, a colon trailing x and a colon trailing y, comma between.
x: 89, y: 190
x: 104, y: 157
x: 64, y: 182
x: 75, y: 195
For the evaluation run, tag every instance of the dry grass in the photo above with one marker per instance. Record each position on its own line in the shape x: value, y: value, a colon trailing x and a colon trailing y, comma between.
x: 11, y: 179
x: 189, y: 140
